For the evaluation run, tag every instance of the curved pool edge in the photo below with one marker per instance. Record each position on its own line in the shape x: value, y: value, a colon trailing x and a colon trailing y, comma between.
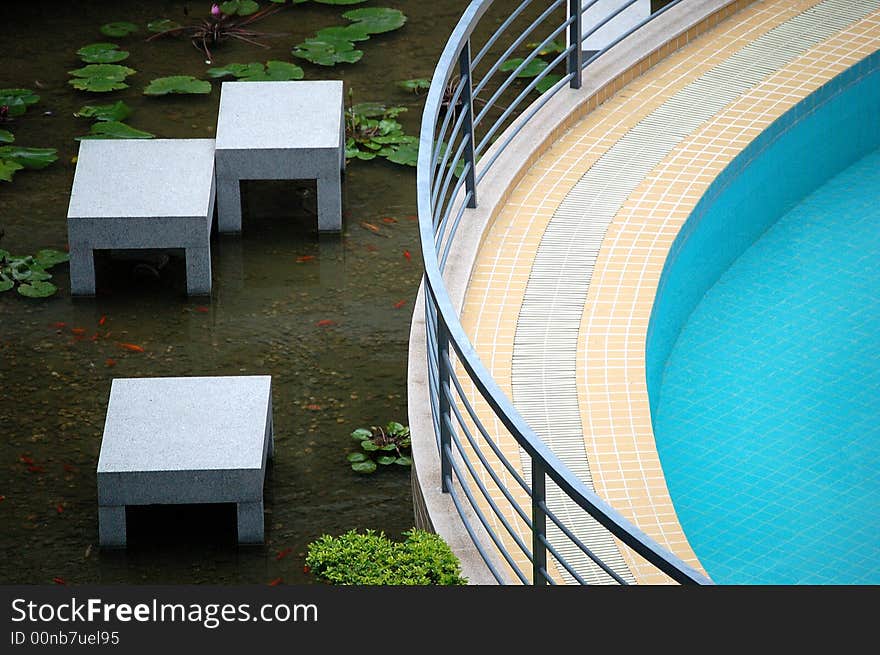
x: 610, y: 73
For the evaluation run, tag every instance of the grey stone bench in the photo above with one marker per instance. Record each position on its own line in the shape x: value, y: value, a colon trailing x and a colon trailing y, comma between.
x: 280, y: 131
x: 142, y: 194
x: 185, y: 440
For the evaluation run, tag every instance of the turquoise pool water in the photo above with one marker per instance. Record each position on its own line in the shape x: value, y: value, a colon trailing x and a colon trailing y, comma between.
x: 764, y: 352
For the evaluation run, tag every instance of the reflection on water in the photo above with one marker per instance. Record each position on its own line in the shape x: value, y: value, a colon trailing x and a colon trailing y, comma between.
x: 273, y: 284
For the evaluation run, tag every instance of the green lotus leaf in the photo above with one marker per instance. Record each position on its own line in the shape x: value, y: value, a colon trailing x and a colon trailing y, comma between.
x: 118, y: 29
x: 115, y: 130
x: 388, y: 447
x: 394, y: 427
x: 239, y: 7
x: 546, y: 83
x: 37, y: 289
x: 6, y: 137
x: 403, y: 461
x: 407, y: 154
x: 376, y: 20
x: 100, y: 77
x: 48, y: 257
x: 552, y: 48
x: 531, y: 69
x: 8, y: 168
x: 385, y: 460
x: 32, y: 158
x: 163, y: 25
x: 369, y: 109
x: 274, y: 70
x: 347, y: 33
x: 118, y: 111
x: 177, y: 84
x: 327, y: 52
x: 368, y: 466
x: 101, y: 53
x: 360, y: 434
x: 416, y: 84
x: 18, y: 100
x: 5, y: 283
x: 366, y: 156
x: 368, y: 445
x: 357, y: 457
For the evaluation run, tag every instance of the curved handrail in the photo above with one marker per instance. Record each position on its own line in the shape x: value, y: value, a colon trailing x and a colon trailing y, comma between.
x: 435, y: 206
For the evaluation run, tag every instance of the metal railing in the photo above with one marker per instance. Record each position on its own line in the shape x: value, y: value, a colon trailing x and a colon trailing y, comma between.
x: 459, y: 143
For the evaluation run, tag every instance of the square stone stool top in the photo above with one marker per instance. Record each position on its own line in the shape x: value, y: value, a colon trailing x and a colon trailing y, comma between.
x: 280, y: 131
x: 181, y: 440
x: 142, y: 193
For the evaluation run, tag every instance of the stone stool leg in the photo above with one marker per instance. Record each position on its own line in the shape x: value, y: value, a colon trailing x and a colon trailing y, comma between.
x: 111, y: 525
x: 198, y: 271
x: 228, y: 205
x: 250, y: 523
x: 330, y: 202
x: 82, y: 271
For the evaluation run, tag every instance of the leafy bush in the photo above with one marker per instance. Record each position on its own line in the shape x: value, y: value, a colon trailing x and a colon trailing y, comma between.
x: 373, y: 559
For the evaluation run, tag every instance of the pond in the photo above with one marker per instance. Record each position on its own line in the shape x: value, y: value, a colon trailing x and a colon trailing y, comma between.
x: 327, y: 317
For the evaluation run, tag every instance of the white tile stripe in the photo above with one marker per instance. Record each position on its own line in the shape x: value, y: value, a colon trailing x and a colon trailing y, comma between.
x: 543, y: 374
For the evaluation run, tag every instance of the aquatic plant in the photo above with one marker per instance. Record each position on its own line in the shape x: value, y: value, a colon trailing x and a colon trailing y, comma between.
x: 14, y: 102
x: 382, y: 446
x: 16, y: 158
x: 368, y: 558
x: 335, y: 45
x: 118, y: 29
x: 371, y: 131
x: 102, y: 53
x: 185, y: 84
x: 415, y: 85
x: 273, y: 70
x: 100, y: 78
x: 229, y: 20
x: 28, y: 274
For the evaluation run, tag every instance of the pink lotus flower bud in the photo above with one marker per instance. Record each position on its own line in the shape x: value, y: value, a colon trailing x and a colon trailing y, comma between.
x: 215, y: 10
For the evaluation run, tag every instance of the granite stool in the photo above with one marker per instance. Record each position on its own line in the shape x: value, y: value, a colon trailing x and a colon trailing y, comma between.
x: 142, y: 194
x: 183, y: 440
x: 280, y: 131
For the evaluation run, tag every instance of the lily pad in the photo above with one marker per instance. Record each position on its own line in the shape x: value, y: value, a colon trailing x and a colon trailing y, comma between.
x: 5, y: 283
x: 18, y: 100
x: 547, y: 82
x: 37, y: 289
x: 415, y: 85
x: 6, y: 137
x: 368, y: 466
x: 357, y: 457
x: 115, y: 130
x: 100, y: 78
x: 406, y: 154
x: 119, y: 29
x: 361, y: 434
x: 163, y: 25
x: 531, y: 69
x: 327, y: 52
x: 552, y: 48
x: 49, y: 257
x: 279, y: 71
x: 385, y: 460
x: 101, y: 53
x: 343, y: 33
x: 118, y: 111
x: 376, y: 20
x: 177, y: 84
x: 239, y: 7
x: 31, y: 158
x: 8, y: 168
x: 403, y: 461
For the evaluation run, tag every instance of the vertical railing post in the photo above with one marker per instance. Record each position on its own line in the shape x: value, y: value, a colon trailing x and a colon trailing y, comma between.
x: 539, y: 523
x: 445, y: 410
x: 467, y: 98
x: 575, y: 33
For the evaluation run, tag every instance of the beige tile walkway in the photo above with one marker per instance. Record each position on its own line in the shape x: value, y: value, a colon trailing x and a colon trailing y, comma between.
x: 618, y: 442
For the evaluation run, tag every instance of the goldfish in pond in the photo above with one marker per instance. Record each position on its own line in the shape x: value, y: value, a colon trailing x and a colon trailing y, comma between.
x: 132, y: 347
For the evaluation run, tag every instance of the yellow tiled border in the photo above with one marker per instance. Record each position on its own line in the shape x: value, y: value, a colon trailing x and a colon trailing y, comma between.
x: 613, y: 397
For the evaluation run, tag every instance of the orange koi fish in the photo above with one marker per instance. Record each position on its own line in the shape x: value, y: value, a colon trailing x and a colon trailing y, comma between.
x: 283, y: 553
x: 325, y: 323
x: 132, y: 347
x: 78, y: 331
x: 202, y: 309
x: 102, y: 320
x: 389, y: 220
x: 407, y: 255
x: 304, y: 258
x: 109, y: 362
x: 275, y: 582
x: 399, y: 304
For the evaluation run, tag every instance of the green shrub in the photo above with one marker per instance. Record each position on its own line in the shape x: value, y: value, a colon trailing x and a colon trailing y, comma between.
x: 373, y: 559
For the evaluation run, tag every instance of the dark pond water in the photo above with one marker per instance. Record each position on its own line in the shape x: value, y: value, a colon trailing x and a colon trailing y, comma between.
x: 261, y: 318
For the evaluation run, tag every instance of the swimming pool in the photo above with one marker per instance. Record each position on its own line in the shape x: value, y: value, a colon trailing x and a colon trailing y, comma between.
x: 763, y: 357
